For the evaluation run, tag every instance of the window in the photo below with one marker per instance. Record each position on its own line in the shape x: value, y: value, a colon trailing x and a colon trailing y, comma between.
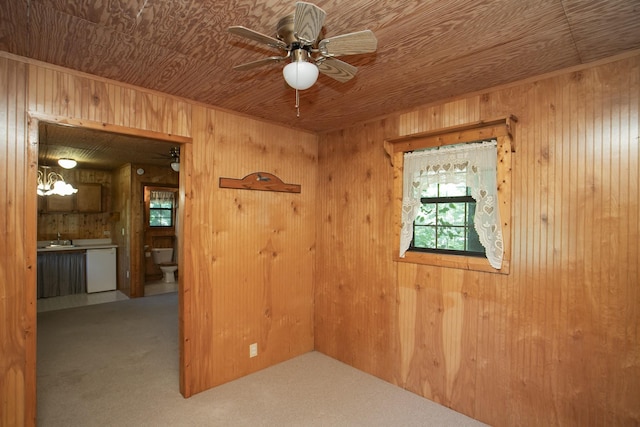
x: 445, y: 222
x: 161, y: 208
x: 438, y: 198
x: 469, y: 165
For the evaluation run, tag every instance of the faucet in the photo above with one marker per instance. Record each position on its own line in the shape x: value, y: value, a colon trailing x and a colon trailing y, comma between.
x: 58, y: 235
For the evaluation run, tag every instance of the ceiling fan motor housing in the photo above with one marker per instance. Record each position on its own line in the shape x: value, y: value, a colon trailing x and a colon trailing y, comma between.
x: 284, y: 30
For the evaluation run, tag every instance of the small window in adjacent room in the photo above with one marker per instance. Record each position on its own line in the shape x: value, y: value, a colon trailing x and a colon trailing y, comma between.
x: 161, y: 208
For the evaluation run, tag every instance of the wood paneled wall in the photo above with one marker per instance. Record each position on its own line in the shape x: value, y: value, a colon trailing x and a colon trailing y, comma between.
x: 17, y: 253
x: 556, y: 342
x: 249, y: 258
x: 355, y: 291
x: 122, y: 205
x: 247, y: 264
x: 57, y: 93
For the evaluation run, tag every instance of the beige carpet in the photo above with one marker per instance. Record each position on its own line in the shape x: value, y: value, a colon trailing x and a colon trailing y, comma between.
x: 116, y: 364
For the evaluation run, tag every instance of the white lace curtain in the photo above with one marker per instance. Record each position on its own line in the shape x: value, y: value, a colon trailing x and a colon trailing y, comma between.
x: 472, y: 164
x: 162, y: 197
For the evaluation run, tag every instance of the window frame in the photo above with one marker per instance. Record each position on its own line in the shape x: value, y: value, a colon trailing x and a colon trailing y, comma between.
x: 171, y: 211
x: 503, y: 130
x: 147, y: 207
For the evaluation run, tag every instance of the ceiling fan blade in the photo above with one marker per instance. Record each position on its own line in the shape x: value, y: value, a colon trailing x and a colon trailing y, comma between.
x: 336, y: 69
x: 256, y: 36
x: 307, y: 22
x: 259, y: 63
x: 349, y: 44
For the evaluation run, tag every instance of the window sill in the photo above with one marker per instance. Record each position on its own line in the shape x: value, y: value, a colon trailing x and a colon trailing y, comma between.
x: 453, y: 261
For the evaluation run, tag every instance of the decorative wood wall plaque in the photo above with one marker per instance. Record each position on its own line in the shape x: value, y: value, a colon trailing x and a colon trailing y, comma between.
x: 261, y: 181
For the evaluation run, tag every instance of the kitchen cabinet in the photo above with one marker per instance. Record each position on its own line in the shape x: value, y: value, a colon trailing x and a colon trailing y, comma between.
x: 88, y: 199
x: 60, y: 203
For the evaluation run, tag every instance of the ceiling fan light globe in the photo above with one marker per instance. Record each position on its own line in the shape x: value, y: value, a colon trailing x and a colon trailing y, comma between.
x: 300, y: 75
x: 175, y: 166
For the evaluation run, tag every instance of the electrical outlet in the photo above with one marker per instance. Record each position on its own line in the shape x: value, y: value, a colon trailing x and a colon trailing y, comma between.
x: 253, y: 350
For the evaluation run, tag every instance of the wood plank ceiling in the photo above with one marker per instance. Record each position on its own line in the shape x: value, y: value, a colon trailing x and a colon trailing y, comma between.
x: 427, y: 50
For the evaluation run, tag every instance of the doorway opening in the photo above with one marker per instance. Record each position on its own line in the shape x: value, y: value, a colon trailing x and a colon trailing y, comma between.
x: 160, y: 239
x: 114, y: 165
x: 96, y: 142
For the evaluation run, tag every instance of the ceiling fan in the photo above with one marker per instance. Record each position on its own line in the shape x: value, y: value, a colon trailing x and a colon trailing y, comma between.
x: 173, y: 157
x: 298, y: 35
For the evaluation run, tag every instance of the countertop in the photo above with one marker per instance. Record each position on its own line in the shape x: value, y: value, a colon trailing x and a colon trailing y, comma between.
x: 78, y: 245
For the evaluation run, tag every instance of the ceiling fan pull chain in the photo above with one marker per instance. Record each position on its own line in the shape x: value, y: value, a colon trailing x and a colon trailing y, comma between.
x: 297, y: 103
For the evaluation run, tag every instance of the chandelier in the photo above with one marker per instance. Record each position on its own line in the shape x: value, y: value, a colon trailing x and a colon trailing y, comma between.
x: 52, y: 183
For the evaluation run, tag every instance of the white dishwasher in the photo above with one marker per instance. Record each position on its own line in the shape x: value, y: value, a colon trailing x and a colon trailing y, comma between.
x: 101, y: 270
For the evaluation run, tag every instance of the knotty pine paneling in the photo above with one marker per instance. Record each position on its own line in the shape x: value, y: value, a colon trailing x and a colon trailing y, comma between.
x: 57, y: 93
x: 555, y: 342
x: 249, y: 254
x: 355, y: 293
x: 18, y: 265
x: 121, y: 202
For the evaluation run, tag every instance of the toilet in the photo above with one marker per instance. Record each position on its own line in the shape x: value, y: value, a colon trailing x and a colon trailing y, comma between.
x: 163, y: 258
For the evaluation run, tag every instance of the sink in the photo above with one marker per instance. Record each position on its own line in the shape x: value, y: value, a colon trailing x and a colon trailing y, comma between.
x: 60, y: 244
